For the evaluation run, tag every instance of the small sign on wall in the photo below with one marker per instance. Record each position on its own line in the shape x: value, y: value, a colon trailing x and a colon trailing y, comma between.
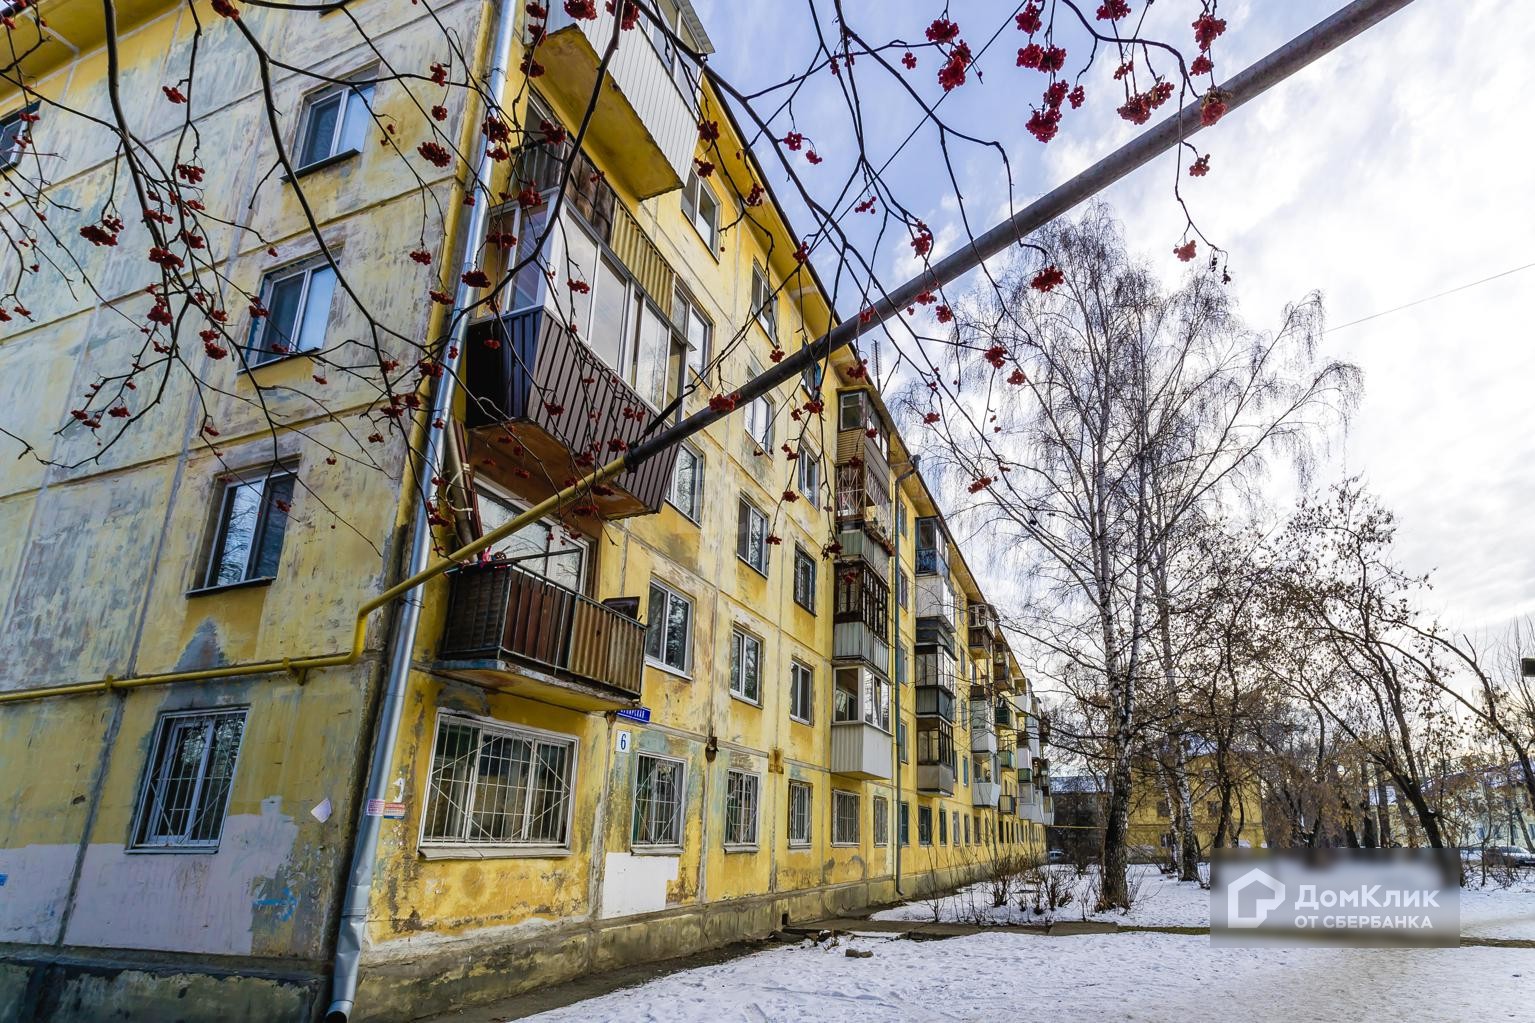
x: 621, y: 741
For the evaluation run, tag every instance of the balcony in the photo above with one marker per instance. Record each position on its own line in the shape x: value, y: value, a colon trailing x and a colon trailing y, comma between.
x: 1005, y: 758
x: 1007, y: 805
x: 1047, y: 811
x: 860, y: 750
x: 567, y: 407
x: 861, y: 616
x: 935, y: 779
x: 511, y: 630
x: 643, y: 124
x: 935, y: 701
x: 863, y: 497
x: 985, y: 794
x: 983, y: 626
x: 983, y: 734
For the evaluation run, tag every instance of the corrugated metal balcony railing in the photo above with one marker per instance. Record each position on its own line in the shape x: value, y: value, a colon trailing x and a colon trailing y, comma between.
x: 644, y: 123
x: 499, y: 613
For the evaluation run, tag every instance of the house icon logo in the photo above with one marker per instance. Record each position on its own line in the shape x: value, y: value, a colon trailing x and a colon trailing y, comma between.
x: 1260, y: 905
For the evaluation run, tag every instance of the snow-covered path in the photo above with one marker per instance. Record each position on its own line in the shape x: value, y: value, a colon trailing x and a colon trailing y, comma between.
x: 1129, y: 976
x: 1096, y: 978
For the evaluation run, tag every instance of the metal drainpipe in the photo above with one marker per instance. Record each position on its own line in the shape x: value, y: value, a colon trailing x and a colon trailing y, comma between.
x: 895, y: 560
x: 354, y: 913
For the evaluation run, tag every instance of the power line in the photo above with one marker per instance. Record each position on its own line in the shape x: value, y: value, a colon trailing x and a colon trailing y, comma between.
x: 1428, y: 298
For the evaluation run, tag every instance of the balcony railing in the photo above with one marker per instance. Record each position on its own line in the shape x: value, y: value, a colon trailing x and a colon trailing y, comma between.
x: 985, y: 793
x: 1007, y: 805
x: 498, y: 612
x: 936, y: 778
x: 642, y: 121
x: 863, y: 498
x: 539, y: 374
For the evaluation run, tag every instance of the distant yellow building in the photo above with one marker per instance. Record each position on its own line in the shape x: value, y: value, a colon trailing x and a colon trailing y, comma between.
x: 753, y: 681
x: 1151, y: 811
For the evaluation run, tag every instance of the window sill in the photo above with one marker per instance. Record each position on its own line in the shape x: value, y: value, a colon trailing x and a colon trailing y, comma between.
x: 492, y: 852
x: 676, y: 508
x: 845, y: 845
x: 799, y: 846
x: 741, y: 848
x: 249, y: 368
x: 318, y: 165
x: 760, y: 571
x: 746, y: 700
x: 667, y: 669
x: 243, y: 584
x: 655, y: 850
x: 802, y: 721
x: 804, y: 607
x: 174, y: 850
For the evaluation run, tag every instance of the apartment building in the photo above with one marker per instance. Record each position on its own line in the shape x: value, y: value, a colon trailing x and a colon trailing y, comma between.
x: 753, y: 681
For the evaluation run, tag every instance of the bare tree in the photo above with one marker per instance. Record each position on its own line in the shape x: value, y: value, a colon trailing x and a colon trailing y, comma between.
x: 1118, y: 414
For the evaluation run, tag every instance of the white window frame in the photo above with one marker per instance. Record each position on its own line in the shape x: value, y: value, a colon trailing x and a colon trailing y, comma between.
x: 756, y: 518
x: 804, y: 839
x: 764, y: 302
x: 257, y: 352
x: 363, y: 92
x: 693, y: 509
x: 152, y: 793
x: 808, y: 474
x: 843, y: 816
x: 685, y: 311
x: 747, y: 842
x: 801, y: 675
x: 686, y: 670
x: 260, y: 481
x: 695, y: 189
x: 499, y: 846
x: 802, y: 556
x: 739, y: 638
x: 881, y: 818
x: 677, y: 811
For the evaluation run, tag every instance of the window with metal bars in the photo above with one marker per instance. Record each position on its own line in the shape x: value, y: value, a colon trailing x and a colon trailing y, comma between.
x: 881, y: 820
x: 186, y: 786
x: 741, y: 791
x: 492, y: 784
x: 800, y: 801
x: 844, y: 818
x: 658, y: 792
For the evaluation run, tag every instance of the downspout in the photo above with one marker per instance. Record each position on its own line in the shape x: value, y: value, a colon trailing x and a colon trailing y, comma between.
x: 352, y: 932
x: 895, y: 560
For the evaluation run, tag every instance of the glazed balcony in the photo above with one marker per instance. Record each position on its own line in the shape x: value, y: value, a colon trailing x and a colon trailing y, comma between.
x: 863, y: 497
x: 511, y: 630
x: 983, y: 734
x: 860, y: 750
x: 644, y: 126
x: 935, y: 779
x: 566, y: 409
x: 983, y: 627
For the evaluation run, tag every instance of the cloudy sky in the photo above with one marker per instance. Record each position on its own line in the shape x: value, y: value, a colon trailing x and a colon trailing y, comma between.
x: 1396, y: 168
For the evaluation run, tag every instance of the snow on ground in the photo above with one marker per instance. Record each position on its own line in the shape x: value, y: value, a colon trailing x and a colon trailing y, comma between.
x: 1160, y: 902
x: 1128, y: 976
x: 1163, y: 901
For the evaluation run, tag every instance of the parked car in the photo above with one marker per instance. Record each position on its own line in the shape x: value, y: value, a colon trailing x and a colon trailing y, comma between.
x: 1509, y: 856
x: 1056, y: 855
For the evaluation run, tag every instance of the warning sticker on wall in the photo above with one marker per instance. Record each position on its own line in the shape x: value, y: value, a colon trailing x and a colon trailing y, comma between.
x: 387, y: 809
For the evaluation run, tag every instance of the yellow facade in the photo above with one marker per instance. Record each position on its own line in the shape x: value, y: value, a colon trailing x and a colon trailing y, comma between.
x: 104, y: 566
x: 1151, y: 819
